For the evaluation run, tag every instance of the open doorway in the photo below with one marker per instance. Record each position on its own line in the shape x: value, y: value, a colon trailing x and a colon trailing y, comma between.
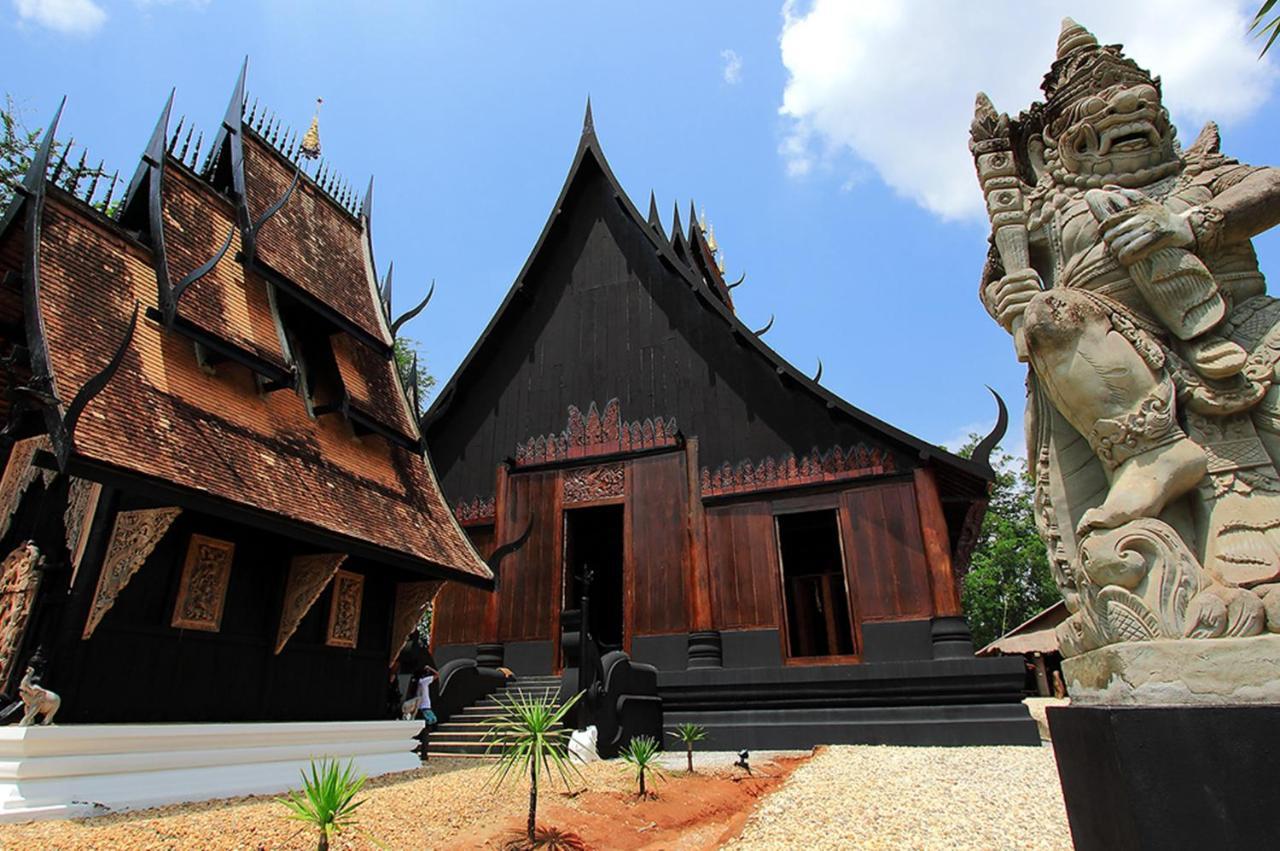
x: 593, y: 538
x: 817, y: 599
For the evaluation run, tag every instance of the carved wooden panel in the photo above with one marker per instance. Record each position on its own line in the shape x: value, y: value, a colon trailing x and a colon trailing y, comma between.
x: 590, y: 484
x: 477, y: 511
x: 19, y: 582
x: 133, y: 537
x: 202, y: 591
x: 815, y: 468
x: 19, y: 473
x: 412, y: 599
x: 344, y: 609
x: 594, y: 434
x: 308, y: 577
x: 77, y: 517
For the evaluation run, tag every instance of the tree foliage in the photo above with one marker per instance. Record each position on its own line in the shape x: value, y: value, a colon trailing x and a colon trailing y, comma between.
x: 17, y: 146
x: 407, y: 350
x: 1262, y: 25
x: 1008, y: 579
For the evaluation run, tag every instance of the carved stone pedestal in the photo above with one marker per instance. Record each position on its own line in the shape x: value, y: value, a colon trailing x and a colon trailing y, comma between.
x: 705, y: 650
x: 1168, y: 777
x: 1224, y: 671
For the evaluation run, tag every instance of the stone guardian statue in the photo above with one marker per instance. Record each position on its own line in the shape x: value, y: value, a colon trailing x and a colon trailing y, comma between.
x: 1122, y: 265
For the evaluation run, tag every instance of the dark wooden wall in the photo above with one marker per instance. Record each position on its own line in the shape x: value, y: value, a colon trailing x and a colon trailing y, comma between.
x: 459, y: 616
x: 598, y: 317
x: 742, y: 554
x: 658, y: 543
x: 136, y: 667
x: 529, y: 579
x: 884, y: 552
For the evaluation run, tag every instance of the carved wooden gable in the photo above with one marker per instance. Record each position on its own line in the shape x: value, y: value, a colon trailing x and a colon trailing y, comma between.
x: 202, y: 591
x: 19, y: 581
x: 412, y: 599
x: 308, y: 577
x: 134, y: 536
x: 344, y: 609
x: 584, y: 437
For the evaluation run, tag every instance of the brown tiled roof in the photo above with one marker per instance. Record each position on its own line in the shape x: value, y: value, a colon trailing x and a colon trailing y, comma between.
x: 162, y: 416
x: 371, y: 383
x: 310, y: 240
x: 229, y: 302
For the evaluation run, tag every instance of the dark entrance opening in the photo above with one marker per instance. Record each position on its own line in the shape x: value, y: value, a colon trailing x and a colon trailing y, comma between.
x: 818, y: 622
x: 593, y: 538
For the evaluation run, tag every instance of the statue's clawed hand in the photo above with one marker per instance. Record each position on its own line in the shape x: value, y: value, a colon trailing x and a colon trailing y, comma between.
x: 1136, y: 226
x: 1007, y: 298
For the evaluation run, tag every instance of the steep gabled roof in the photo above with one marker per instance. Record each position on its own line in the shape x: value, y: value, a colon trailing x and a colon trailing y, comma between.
x: 681, y: 258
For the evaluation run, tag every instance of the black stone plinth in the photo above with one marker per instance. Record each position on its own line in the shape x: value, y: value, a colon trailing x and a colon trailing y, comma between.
x: 1169, y: 777
x: 705, y: 650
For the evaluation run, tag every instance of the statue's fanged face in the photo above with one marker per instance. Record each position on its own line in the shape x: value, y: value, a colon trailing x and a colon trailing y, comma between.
x: 1117, y: 131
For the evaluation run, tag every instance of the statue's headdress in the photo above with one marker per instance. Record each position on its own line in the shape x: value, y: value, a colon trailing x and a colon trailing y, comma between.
x: 1084, y: 67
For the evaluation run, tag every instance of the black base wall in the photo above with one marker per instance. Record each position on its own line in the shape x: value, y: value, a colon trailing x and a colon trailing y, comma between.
x: 528, y: 658
x: 943, y: 702
x: 1168, y: 777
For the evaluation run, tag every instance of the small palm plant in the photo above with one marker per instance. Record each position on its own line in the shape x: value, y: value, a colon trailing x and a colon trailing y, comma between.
x: 530, y: 739
x: 642, y: 754
x: 327, y: 800
x: 689, y: 733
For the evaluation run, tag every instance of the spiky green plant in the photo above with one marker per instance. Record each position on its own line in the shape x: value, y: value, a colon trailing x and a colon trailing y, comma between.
x: 1261, y: 24
x: 688, y: 732
x: 530, y: 738
x: 641, y: 753
x: 327, y: 800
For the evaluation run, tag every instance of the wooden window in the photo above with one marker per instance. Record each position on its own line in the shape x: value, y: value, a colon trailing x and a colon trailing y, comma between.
x: 344, y: 609
x: 202, y: 591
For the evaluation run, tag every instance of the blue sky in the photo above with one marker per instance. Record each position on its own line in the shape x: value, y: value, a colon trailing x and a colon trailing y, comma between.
x: 825, y: 140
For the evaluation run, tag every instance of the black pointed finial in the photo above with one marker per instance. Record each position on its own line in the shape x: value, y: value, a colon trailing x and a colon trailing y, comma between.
x: 173, y: 142
x: 693, y: 221
x: 982, y: 452
x: 760, y: 332
x: 111, y: 191
x: 653, y: 210
x: 588, y: 123
x: 62, y: 161
x: 676, y: 228
x: 366, y: 206
x: 817, y: 376
x: 234, y: 116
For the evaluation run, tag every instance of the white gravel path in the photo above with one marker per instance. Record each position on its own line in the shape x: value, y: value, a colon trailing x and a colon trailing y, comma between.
x: 915, y: 798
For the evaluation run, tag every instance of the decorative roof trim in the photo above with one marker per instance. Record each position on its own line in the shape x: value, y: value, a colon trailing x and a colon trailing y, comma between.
x: 816, y: 468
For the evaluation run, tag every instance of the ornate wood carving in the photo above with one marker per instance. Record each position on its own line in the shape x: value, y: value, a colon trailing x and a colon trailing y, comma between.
x: 786, y: 472
x: 967, y: 540
x: 344, y: 609
x: 134, y: 536
x: 412, y: 599
x: 588, y: 484
x: 77, y: 517
x: 475, y: 512
x: 594, y: 434
x: 19, y: 473
x: 308, y: 577
x: 202, y: 591
x: 19, y: 581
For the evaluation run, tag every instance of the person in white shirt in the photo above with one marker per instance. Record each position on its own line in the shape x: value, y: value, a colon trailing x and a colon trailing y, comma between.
x: 423, y: 679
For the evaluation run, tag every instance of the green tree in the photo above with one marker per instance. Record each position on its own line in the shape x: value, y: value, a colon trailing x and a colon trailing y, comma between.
x: 407, y: 351
x: 1262, y: 25
x: 1008, y: 579
x: 17, y: 145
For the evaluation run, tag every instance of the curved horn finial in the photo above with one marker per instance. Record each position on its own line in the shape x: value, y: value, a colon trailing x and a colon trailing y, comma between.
x: 275, y: 208
x: 765, y: 329
x: 507, y: 549
x: 818, y: 375
x: 171, y: 307
x: 409, y: 314
x: 92, y: 388
x: 386, y: 289
x: 982, y: 452
x: 738, y: 282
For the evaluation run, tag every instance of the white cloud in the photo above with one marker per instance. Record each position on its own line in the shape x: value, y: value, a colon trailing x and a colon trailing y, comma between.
x: 732, y: 66
x: 892, y: 81
x: 70, y: 17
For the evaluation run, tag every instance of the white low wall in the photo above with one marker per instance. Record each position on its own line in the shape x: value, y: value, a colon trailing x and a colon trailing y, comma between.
x: 59, y: 772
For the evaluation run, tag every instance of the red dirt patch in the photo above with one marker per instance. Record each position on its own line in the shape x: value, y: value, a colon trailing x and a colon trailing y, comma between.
x: 690, y: 812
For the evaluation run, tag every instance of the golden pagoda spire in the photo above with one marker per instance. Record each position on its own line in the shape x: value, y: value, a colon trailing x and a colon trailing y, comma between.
x: 711, y: 239
x: 310, y: 147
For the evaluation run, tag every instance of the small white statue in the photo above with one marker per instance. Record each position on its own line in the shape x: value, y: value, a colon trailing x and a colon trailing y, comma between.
x: 582, y: 744
x: 36, y: 700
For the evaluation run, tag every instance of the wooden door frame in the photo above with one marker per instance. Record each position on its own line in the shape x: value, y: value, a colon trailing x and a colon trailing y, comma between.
x: 805, y: 505
x: 560, y: 585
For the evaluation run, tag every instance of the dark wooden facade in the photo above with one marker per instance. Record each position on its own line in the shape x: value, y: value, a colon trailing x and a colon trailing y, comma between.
x: 216, y: 503
x: 617, y: 373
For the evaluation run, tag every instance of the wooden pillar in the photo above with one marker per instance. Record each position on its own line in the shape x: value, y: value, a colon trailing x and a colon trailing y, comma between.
x: 933, y: 528
x: 699, y: 582
x: 489, y: 634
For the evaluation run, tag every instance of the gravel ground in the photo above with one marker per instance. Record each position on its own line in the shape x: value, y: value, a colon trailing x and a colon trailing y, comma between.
x: 674, y: 758
x: 897, y: 798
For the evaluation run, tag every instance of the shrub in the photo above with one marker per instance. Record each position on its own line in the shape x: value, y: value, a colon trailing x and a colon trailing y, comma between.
x: 641, y: 753
x: 327, y: 800
x: 689, y: 733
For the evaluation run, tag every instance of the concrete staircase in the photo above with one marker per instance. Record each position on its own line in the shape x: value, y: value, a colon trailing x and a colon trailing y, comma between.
x: 466, y: 734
